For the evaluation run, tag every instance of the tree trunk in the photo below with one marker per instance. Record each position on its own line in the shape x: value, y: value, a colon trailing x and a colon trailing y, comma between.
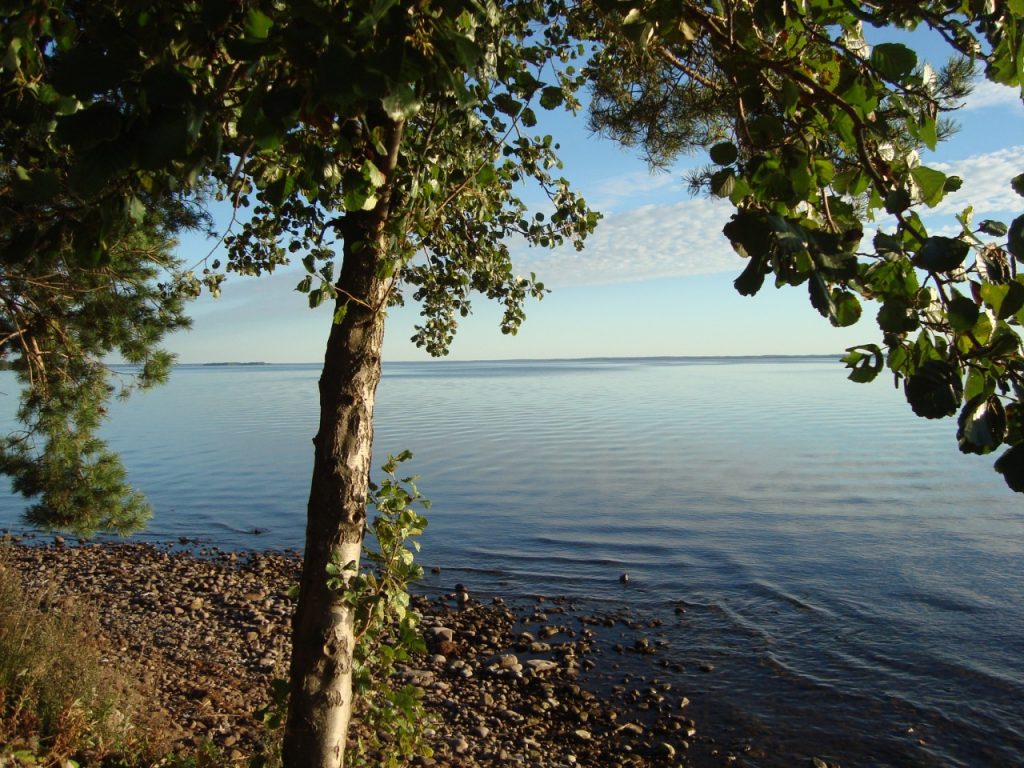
x: 320, y: 704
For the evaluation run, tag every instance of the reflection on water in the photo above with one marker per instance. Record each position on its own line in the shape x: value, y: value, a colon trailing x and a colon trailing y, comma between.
x: 854, y: 578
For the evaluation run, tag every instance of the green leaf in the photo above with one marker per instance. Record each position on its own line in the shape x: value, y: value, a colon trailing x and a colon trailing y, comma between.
x: 819, y: 295
x: 962, y: 314
x: 375, y: 15
x: 723, y: 183
x: 977, y: 384
x: 551, y: 97
x: 136, y: 209
x: 467, y: 52
x: 865, y: 363
x: 932, y: 184
x: 893, y: 61
x: 752, y: 278
x: 401, y: 103
x: 851, y: 182
x: 1015, y: 238
x: 358, y: 193
x: 934, y: 390
x: 766, y: 130
x: 506, y: 104
x: 373, y: 174
x: 724, y: 153
x: 981, y: 426
x: 994, y: 228
x: 885, y: 243
x: 1018, y: 184
x: 941, y: 254
x: 1005, y: 300
x: 895, y: 316
x: 257, y: 24
x: 1011, y: 466
x: 486, y: 175
x: 1014, y: 424
x: 928, y: 133
x: 846, y: 308
x: 897, y: 201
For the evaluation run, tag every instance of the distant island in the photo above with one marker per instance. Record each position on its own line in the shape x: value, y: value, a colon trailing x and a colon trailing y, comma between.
x: 258, y: 362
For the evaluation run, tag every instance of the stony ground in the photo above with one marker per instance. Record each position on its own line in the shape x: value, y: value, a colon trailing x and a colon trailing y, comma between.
x: 505, y: 685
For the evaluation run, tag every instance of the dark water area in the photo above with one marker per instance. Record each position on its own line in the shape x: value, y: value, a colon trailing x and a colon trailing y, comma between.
x: 851, y: 581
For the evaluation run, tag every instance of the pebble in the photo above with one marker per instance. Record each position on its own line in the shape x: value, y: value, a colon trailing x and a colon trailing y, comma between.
x: 496, y: 694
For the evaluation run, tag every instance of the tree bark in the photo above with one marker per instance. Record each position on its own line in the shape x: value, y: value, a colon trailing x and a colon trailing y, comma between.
x: 323, y: 640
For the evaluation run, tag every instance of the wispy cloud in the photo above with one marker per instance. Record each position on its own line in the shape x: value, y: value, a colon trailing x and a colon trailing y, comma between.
x: 673, y: 240
x: 685, y: 237
x: 611, y: 192
x: 986, y: 182
x: 988, y: 94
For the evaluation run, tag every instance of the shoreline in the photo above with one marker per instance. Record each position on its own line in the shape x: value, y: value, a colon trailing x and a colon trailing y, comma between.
x: 519, y: 682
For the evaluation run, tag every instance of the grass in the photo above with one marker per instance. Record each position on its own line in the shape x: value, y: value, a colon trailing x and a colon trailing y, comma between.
x: 59, y: 705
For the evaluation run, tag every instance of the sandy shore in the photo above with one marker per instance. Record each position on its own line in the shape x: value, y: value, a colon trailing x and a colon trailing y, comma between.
x: 506, y: 684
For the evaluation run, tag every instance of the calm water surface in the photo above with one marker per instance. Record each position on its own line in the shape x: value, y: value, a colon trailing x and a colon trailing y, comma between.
x: 854, y: 580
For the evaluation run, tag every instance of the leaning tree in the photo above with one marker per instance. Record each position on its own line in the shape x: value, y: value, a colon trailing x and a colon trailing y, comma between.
x: 383, y: 145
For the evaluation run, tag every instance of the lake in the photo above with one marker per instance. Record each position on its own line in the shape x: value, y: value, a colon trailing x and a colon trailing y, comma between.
x: 853, y: 579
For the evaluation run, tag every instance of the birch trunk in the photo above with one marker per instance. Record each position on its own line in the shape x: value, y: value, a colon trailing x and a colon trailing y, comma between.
x: 320, y: 704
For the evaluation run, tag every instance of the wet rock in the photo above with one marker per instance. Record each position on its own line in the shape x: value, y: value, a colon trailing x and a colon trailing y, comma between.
x: 208, y: 632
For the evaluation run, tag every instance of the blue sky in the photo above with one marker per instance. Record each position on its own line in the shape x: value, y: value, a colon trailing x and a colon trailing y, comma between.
x: 655, y: 279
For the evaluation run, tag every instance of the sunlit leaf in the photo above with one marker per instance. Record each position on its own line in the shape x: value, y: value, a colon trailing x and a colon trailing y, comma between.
x: 931, y: 183
x: 981, y: 426
x: 893, y: 61
x: 257, y: 24
x: 865, y: 363
x: 401, y: 103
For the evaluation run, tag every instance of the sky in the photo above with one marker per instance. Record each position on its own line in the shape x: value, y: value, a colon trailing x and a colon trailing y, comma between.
x: 655, y: 279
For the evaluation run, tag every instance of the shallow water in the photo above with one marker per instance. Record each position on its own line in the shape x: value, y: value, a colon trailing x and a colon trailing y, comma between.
x: 853, y: 578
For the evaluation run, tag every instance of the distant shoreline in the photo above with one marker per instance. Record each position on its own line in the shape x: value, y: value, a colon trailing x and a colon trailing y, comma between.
x: 209, y: 365
x: 519, y: 360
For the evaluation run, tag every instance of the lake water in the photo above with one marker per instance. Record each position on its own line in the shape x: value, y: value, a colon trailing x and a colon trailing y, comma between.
x: 855, y: 581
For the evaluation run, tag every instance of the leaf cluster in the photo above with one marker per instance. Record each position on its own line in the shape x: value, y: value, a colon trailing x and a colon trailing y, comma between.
x: 812, y: 135
x: 386, y: 626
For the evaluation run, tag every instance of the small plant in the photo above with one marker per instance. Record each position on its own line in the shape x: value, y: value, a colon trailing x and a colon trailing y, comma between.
x: 387, y: 627
x: 272, y: 717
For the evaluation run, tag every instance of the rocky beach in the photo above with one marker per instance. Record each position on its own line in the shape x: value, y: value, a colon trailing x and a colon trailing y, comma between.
x: 529, y: 682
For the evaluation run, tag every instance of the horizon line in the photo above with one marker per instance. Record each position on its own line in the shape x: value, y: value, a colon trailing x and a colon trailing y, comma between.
x: 240, y: 363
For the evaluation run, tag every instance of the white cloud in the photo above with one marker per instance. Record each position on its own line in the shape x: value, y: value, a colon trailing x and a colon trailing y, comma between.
x: 986, y: 182
x: 673, y: 240
x: 989, y: 94
x: 631, y: 185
